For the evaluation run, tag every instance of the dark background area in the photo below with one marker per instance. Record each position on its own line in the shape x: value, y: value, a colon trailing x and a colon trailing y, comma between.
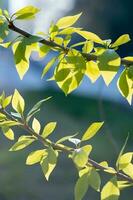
x: 108, y: 19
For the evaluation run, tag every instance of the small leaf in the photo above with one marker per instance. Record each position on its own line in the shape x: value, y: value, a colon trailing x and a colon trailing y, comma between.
x: 122, y: 150
x: 65, y: 138
x: 94, y: 179
x: 36, y: 125
x: 48, y: 129
x: 81, y: 187
x: 128, y: 170
x: 108, y: 63
x: 92, y: 71
x: 124, y: 160
x: 88, y: 47
x: 36, y: 107
x: 18, y: 102
x: 75, y: 141
x: 110, y: 190
x: 27, y: 12
x: 35, y: 156
x: 90, y: 36
x: 3, y: 30
x: 48, y: 66
x: 9, y: 123
x: 48, y: 163
x: 6, y: 101
x: 8, y: 132
x: 92, y: 130
x: 68, y: 21
x: 22, y: 142
x: 124, y: 85
x: 87, y: 149
x: 121, y: 40
x: 80, y: 157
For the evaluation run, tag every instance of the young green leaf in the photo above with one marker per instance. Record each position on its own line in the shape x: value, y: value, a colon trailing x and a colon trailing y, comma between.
x: 94, y: 179
x: 65, y: 138
x: 9, y: 123
x: 6, y: 101
x: 36, y: 156
x: 92, y: 71
x: 8, y: 132
x: 121, y: 40
x: 81, y: 187
x: 36, y: 126
x: 110, y: 190
x: 35, y: 108
x: 124, y: 160
x: 80, y: 158
x: 48, y: 163
x: 128, y: 170
x: 88, y: 47
x: 48, y: 129
x: 108, y: 63
x: 92, y: 130
x: 48, y: 66
x: 68, y: 21
x: 3, y: 30
x: 90, y: 36
x: 124, y: 85
x: 27, y: 12
x: 22, y: 142
x: 18, y: 102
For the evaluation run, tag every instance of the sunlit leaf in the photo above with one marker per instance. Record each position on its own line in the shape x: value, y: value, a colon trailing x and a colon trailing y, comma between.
x: 36, y: 125
x: 108, y: 63
x: 92, y: 71
x: 22, y: 142
x: 35, y: 156
x: 8, y: 132
x: 92, y: 130
x: 121, y: 40
x: 48, y: 129
x: 90, y: 36
x: 48, y: 163
x: 18, y: 102
x: 48, y: 66
x: 110, y: 190
x: 65, y: 22
x: 80, y: 157
x: 94, y: 179
x: 125, y: 86
x: 81, y: 187
x: 27, y: 12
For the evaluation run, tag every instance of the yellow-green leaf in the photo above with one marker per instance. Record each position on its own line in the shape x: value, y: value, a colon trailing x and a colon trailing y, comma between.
x: 48, y: 66
x: 124, y: 85
x: 128, y: 170
x: 80, y: 157
x: 18, y: 102
x: 92, y: 71
x: 94, y: 179
x: 108, y: 63
x: 36, y: 126
x: 6, y: 101
x: 8, y: 132
x: 81, y: 187
x: 90, y: 36
x: 35, y: 156
x: 110, y: 190
x: 48, y: 163
x: 125, y: 159
x: 22, y: 142
x: 92, y: 130
x: 121, y: 40
x: 48, y: 129
x: 27, y: 12
x: 68, y: 21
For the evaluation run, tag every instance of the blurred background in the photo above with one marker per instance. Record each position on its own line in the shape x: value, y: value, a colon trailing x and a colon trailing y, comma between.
x: 89, y: 103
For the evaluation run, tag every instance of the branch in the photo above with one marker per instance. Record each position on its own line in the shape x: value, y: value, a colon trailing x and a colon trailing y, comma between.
x: 89, y: 57
x: 62, y: 148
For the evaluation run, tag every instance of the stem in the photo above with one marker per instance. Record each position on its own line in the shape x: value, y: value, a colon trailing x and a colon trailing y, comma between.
x: 62, y: 148
x: 89, y: 57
